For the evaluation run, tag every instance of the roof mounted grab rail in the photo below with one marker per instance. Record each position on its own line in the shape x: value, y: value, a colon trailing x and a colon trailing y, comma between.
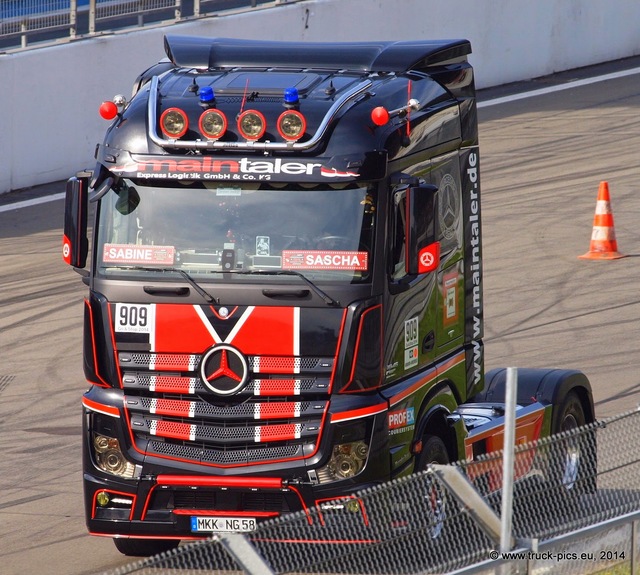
x: 152, y: 116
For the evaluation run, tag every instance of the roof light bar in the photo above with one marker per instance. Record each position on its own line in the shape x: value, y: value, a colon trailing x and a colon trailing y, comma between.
x: 349, y: 97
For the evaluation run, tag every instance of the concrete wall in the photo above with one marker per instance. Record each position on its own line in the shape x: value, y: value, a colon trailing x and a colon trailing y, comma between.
x: 49, y: 96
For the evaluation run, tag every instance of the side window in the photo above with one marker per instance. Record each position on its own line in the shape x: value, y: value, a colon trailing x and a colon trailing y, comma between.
x: 398, y: 258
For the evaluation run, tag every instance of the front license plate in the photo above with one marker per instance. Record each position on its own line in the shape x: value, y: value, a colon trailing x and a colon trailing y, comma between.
x: 222, y: 524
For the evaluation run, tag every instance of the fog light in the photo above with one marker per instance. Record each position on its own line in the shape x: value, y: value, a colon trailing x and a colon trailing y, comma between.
x: 353, y: 505
x: 102, y: 499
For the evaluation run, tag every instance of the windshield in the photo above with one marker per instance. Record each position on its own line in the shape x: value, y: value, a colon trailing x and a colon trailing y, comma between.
x: 324, y: 232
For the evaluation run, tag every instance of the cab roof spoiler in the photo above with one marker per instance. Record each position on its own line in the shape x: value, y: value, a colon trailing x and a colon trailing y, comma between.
x: 211, y: 53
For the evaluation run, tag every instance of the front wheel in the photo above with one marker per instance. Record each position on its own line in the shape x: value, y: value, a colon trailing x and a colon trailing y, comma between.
x: 144, y: 547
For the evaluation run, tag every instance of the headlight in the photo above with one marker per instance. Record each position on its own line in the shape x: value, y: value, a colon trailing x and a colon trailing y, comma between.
x: 347, y: 460
x: 109, y: 457
x: 174, y: 123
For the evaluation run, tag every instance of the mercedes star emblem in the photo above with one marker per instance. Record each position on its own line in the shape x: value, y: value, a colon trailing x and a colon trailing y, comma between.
x: 224, y: 370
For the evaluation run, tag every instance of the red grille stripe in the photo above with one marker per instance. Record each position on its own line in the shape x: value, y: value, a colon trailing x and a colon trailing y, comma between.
x: 277, y: 410
x: 163, y: 384
x: 173, y: 408
x: 173, y: 430
x: 282, y: 432
x: 276, y: 387
x: 173, y: 362
x: 276, y: 364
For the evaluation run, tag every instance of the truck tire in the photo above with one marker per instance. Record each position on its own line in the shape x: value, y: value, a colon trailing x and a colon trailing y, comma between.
x: 574, y: 464
x: 434, y: 451
x: 144, y: 547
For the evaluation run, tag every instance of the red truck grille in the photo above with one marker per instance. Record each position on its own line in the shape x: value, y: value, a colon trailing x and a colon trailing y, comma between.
x: 277, y: 416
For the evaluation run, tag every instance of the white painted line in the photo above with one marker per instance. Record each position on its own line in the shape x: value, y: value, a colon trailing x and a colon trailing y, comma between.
x: 34, y: 202
x: 485, y: 104
x: 559, y: 87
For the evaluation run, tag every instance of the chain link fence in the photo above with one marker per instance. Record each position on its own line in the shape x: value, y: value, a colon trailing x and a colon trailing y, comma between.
x: 575, y: 506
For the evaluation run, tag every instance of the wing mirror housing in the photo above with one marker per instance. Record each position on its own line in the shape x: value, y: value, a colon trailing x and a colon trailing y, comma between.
x: 75, y: 243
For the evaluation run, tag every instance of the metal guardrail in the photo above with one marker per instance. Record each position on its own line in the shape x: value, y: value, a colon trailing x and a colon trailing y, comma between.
x: 25, y: 23
x: 576, y: 508
x: 20, y: 20
x: 109, y: 10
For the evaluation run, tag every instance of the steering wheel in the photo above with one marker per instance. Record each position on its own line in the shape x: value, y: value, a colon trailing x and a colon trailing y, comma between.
x: 334, y: 242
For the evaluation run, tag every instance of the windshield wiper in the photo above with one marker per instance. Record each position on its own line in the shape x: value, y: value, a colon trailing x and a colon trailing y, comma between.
x: 205, y: 294
x: 209, y: 298
x: 325, y: 296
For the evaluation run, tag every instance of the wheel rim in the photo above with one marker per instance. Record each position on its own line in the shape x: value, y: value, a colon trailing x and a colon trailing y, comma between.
x: 572, y: 454
x: 436, y: 506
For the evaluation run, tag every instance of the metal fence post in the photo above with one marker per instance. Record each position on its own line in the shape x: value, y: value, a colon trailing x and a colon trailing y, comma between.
x: 634, y: 548
x: 507, y: 459
x: 73, y: 18
x: 245, y: 554
x: 92, y: 16
x: 23, y: 38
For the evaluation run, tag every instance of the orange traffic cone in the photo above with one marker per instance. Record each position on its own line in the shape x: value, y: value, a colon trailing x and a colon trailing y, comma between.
x: 603, y: 238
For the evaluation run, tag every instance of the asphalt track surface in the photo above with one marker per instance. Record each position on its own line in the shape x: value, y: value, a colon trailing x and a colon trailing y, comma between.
x: 542, y: 159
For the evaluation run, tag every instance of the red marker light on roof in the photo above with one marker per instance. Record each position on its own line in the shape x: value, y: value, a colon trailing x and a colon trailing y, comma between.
x: 379, y: 116
x: 108, y: 110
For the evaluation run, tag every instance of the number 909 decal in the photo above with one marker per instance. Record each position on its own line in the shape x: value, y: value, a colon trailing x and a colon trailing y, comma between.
x: 134, y: 318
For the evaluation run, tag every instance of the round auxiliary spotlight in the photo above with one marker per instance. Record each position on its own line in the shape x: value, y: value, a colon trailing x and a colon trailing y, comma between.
x: 251, y: 125
x: 291, y: 125
x: 174, y: 123
x: 213, y: 124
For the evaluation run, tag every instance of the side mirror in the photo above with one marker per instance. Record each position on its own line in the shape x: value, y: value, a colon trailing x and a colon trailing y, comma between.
x: 422, y: 249
x: 75, y: 244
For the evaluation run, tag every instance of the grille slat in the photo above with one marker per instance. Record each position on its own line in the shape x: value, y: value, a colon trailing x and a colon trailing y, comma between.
x: 230, y: 500
x: 248, y: 411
